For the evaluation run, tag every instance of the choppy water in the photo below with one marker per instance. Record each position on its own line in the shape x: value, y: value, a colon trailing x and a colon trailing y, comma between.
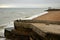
x: 9, y: 14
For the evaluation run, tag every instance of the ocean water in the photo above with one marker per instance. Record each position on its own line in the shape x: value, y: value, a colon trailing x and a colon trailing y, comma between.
x: 9, y: 14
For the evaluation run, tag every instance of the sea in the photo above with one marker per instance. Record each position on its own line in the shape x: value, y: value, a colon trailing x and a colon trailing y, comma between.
x: 8, y: 15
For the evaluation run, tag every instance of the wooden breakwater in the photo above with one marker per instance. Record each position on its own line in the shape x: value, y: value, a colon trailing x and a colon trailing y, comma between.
x: 40, y: 32
x: 39, y: 21
x: 24, y: 30
x: 13, y: 34
x: 18, y: 35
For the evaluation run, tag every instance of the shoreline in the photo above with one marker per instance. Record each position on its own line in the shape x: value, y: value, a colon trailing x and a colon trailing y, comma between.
x: 29, y: 18
x: 34, y: 16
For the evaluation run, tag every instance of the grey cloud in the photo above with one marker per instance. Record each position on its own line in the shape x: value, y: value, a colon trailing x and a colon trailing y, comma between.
x: 41, y: 3
x: 29, y: 1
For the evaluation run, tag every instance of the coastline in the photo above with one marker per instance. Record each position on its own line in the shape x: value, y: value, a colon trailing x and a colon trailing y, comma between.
x: 34, y: 16
x: 29, y: 18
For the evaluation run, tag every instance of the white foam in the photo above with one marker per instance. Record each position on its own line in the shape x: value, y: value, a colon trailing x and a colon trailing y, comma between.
x: 11, y: 24
x: 7, y: 25
x: 32, y: 17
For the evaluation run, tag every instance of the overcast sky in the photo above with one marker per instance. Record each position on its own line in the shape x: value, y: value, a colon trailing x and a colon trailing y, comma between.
x: 29, y: 3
